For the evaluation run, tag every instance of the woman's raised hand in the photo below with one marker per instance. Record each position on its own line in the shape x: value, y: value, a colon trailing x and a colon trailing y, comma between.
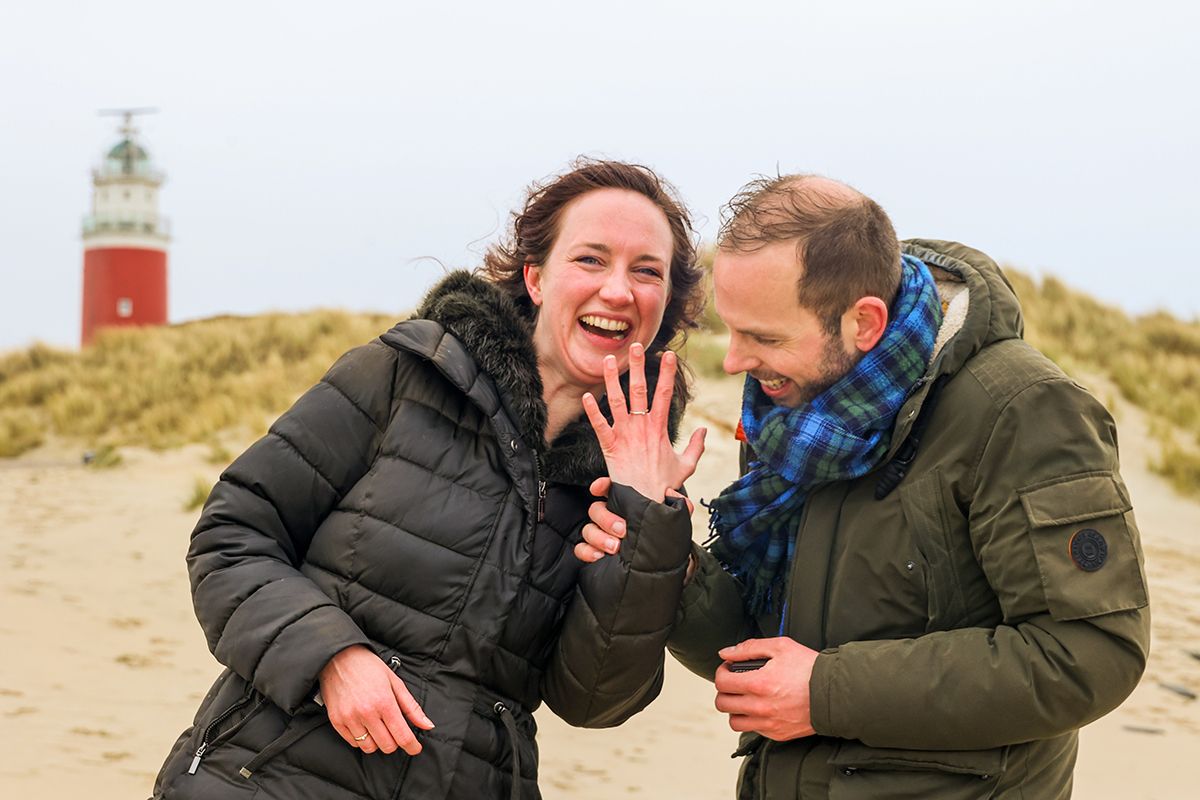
x: 636, y: 446
x: 367, y: 703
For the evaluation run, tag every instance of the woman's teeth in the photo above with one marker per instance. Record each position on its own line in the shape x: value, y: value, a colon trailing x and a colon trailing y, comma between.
x: 606, y: 327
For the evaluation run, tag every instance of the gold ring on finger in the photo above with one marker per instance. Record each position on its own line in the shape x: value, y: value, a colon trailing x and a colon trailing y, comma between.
x: 640, y: 413
x: 364, y: 737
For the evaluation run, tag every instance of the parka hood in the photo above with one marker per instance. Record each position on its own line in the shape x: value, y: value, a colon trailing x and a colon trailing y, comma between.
x: 993, y: 312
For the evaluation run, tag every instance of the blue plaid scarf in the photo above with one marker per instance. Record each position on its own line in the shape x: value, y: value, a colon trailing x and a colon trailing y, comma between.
x: 841, y: 434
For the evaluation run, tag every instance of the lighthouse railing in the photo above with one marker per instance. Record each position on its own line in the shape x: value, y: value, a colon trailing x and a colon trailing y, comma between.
x: 126, y: 224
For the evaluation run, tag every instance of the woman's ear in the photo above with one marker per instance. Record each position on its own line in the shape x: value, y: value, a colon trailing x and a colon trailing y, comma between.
x: 533, y: 283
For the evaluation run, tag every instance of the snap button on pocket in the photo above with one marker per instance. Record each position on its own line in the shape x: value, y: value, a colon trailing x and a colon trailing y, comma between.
x: 849, y: 771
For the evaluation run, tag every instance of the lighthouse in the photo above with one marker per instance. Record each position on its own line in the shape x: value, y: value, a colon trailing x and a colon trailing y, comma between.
x: 124, y: 239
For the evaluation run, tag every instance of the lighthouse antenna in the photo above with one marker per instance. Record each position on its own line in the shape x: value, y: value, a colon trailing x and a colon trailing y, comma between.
x: 127, y: 130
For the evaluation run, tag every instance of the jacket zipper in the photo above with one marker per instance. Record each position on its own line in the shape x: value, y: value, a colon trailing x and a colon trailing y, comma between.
x: 541, y: 486
x: 204, y: 740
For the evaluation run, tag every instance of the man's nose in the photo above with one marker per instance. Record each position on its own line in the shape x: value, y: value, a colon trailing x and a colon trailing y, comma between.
x: 737, y: 359
x: 616, y: 290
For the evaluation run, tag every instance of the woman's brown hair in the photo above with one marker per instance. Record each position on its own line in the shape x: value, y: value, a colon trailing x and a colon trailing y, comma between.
x: 536, y: 226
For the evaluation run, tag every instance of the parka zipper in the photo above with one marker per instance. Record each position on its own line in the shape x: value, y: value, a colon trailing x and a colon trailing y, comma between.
x: 208, y: 730
x: 541, y: 486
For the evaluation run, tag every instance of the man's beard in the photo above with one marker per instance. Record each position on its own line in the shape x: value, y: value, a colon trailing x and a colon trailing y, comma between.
x: 836, y: 363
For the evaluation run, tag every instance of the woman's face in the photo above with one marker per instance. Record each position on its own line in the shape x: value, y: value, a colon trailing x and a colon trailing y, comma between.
x: 604, y: 285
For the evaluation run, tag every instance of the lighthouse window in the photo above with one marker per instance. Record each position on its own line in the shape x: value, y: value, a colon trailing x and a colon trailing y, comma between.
x: 124, y: 307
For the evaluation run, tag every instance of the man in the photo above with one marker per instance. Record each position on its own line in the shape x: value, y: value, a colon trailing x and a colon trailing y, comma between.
x: 930, y: 547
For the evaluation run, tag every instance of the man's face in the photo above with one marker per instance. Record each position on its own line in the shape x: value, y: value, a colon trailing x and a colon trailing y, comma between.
x: 771, y: 336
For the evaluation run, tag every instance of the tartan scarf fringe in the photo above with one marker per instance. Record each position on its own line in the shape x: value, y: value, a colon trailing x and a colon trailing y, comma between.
x: 842, y: 434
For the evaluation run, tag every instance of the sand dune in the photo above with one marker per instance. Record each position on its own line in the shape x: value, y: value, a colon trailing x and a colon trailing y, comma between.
x: 104, y: 663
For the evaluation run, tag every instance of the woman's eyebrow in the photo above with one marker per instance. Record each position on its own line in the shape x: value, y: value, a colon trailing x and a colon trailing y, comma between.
x: 606, y: 250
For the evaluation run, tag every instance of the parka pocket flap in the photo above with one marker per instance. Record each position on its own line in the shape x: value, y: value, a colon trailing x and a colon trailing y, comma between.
x: 1088, y: 556
x: 981, y: 763
x: 1072, y: 499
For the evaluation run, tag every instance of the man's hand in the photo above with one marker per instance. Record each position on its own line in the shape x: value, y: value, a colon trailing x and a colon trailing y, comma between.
x: 774, y: 699
x: 364, y: 696
x: 604, y: 533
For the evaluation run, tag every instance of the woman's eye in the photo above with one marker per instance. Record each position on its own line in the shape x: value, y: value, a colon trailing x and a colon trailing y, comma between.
x: 650, y: 272
x: 588, y: 260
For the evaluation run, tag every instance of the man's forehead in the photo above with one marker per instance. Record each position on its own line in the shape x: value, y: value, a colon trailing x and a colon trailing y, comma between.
x: 775, y: 262
x: 756, y: 292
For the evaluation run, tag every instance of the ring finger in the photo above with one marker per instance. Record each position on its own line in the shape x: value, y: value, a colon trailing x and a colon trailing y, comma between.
x: 638, y: 397
x: 380, y: 737
x: 364, y: 742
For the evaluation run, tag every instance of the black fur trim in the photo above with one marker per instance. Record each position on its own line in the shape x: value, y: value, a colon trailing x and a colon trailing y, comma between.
x: 499, y: 336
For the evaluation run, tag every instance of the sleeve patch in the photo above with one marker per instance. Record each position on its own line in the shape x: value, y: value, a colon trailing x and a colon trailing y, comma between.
x: 1090, y: 569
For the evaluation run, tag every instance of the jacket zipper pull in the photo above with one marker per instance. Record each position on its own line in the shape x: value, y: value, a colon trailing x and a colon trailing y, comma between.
x: 196, y: 758
x: 541, y: 486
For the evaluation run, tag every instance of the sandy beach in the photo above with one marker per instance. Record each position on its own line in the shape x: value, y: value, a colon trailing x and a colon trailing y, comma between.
x: 104, y: 662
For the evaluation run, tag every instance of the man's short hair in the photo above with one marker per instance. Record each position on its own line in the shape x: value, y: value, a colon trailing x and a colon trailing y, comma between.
x: 845, y: 241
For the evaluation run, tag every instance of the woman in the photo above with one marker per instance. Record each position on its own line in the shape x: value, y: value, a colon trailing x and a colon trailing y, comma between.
x: 387, y: 573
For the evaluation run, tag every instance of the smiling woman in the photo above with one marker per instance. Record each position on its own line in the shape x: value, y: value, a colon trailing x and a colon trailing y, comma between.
x: 395, y: 554
x: 604, y: 285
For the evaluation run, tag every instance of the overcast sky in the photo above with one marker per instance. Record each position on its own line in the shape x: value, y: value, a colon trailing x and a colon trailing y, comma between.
x: 336, y: 155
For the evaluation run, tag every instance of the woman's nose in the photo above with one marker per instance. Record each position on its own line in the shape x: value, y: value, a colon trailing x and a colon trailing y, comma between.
x: 616, y: 290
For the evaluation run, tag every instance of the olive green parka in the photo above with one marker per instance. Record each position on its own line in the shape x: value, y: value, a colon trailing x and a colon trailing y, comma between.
x: 962, y: 641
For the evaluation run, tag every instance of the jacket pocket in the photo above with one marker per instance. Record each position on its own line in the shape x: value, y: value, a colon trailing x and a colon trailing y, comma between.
x: 863, y: 773
x: 1088, y: 556
x: 316, y: 756
x: 226, y: 723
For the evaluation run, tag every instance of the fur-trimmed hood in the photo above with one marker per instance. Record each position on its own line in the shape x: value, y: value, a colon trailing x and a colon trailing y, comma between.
x: 499, y: 336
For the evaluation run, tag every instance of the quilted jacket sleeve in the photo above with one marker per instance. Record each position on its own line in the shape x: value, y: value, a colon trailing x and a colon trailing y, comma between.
x: 262, y: 618
x: 608, y: 663
x: 1074, y: 640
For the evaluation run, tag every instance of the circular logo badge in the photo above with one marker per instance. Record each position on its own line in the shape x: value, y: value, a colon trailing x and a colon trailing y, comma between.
x: 1089, y: 551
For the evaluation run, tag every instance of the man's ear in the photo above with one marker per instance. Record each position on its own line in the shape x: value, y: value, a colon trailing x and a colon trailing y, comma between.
x: 864, y: 324
x: 533, y: 283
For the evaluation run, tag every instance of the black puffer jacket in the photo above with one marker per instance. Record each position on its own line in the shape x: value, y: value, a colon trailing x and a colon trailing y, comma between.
x: 406, y: 503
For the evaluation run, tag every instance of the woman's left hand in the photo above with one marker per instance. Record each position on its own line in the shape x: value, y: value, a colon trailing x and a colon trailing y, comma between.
x: 636, y: 446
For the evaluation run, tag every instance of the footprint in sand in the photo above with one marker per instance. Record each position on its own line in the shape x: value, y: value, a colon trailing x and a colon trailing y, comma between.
x: 116, y: 755
x: 137, y: 660
x: 21, y: 711
x: 100, y: 733
x: 126, y: 622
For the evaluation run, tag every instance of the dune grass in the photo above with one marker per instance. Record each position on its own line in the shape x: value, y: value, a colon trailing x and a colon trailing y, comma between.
x: 179, y: 384
x: 163, y: 387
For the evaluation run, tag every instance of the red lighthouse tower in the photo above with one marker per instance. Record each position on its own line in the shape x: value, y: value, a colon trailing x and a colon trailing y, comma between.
x: 124, y: 239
